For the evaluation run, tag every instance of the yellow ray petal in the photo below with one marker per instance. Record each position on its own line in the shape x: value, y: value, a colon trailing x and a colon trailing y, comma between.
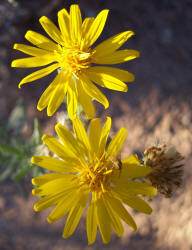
x: 32, y: 51
x: 86, y: 25
x: 72, y: 100
x: 42, y: 179
x: 85, y: 101
x: 96, y: 28
x: 53, y: 164
x: 106, y: 80
x: 75, y: 23
x: 134, y: 187
x: 68, y: 139
x: 122, y: 75
x: 75, y: 215
x: 39, y: 74
x: 112, y: 44
x: 132, y: 159
x: 103, y: 221
x: 56, y: 186
x: 63, y: 20
x: 137, y: 203
x: 93, y: 91
x: 46, y: 96
x: 51, y: 29
x: 116, y: 223
x: 59, y: 149
x: 117, y: 57
x: 95, y: 134
x: 81, y: 136
x: 134, y: 171
x: 31, y: 62
x: 117, y: 142
x: 57, y: 97
x: 119, y: 209
x: 64, y: 205
x: 47, y: 201
x: 40, y: 41
x: 104, y: 135
x: 91, y: 223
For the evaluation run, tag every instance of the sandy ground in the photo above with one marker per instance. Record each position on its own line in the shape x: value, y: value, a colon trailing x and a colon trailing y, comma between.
x: 157, y: 107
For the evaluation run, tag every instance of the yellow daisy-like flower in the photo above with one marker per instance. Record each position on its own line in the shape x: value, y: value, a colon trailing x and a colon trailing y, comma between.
x: 72, y: 56
x: 90, y: 173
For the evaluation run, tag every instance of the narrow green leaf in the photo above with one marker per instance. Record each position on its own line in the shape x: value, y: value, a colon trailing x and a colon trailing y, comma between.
x: 9, y: 149
x: 5, y: 174
x: 36, y: 136
x: 22, y: 172
x: 17, y: 117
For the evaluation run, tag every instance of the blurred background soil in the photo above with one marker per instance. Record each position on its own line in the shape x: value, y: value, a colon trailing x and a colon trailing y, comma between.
x: 157, y: 107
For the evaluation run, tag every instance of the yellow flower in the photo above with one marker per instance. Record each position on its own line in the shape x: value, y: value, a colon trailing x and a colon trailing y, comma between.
x: 89, y: 172
x: 72, y: 56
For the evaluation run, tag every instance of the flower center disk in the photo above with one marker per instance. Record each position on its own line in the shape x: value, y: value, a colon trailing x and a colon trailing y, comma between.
x: 99, y: 174
x: 73, y: 59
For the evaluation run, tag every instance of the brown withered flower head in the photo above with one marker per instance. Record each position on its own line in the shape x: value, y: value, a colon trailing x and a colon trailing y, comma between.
x: 167, y: 168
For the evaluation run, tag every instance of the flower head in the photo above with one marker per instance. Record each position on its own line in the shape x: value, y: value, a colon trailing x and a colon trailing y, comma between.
x: 167, y: 168
x: 90, y: 173
x: 71, y: 54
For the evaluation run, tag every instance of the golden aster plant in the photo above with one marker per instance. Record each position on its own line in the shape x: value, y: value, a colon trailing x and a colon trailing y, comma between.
x: 85, y: 172
x: 88, y: 173
x: 70, y: 52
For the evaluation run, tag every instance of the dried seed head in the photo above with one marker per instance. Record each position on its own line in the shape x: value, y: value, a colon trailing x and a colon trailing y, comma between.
x: 167, y: 168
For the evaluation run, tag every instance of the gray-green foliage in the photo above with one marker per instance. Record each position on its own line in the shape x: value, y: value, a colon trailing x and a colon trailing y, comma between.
x: 15, y: 150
